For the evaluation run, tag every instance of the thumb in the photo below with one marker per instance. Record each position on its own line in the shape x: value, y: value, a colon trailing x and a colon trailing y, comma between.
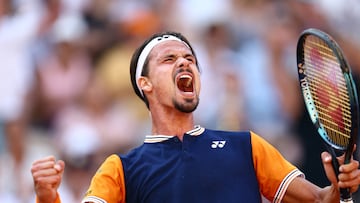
x: 59, y: 166
x: 328, y: 167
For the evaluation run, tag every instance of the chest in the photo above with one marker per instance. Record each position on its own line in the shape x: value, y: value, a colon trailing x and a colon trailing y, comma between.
x: 210, y: 169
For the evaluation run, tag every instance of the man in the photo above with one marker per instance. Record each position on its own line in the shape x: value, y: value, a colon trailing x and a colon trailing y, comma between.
x: 183, y: 163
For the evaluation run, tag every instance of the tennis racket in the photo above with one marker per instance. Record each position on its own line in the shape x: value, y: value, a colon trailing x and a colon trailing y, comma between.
x: 330, y: 95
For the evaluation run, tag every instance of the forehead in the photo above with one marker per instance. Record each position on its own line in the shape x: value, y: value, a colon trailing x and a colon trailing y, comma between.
x: 170, y: 47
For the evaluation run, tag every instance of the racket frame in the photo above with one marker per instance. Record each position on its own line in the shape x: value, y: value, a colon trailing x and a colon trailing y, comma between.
x: 333, y: 149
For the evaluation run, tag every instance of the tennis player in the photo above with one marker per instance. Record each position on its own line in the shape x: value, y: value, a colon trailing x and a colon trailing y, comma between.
x: 184, y: 163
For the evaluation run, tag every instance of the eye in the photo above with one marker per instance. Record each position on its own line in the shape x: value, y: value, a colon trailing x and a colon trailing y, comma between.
x: 191, y: 59
x: 168, y: 59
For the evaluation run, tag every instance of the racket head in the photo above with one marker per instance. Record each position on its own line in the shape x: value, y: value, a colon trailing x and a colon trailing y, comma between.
x: 328, y: 89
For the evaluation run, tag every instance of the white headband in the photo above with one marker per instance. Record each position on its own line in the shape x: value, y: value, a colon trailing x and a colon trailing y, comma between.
x: 145, y: 52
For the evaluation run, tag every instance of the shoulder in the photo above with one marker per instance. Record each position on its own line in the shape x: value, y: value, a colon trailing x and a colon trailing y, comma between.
x: 108, y: 183
x: 230, y: 134
x: 111, y: 165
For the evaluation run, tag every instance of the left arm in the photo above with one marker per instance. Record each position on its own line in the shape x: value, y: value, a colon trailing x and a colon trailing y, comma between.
x: 301, y: 190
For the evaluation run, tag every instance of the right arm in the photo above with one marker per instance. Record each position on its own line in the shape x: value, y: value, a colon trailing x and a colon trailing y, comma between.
x: 107, y: 185
x: 47, y: 174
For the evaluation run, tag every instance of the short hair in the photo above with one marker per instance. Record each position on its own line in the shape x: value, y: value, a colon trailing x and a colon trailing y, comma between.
x: 145, y: 70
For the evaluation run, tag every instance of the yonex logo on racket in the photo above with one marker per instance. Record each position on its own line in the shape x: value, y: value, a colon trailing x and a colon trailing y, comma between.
x: 307, y: 96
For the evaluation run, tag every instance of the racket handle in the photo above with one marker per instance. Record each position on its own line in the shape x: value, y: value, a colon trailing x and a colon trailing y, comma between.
x: 346, y: 201
x: 345, y: 195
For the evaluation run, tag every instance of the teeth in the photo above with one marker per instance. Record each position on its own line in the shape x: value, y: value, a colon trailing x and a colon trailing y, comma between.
x: 188, y: 80
x: 185, y: 76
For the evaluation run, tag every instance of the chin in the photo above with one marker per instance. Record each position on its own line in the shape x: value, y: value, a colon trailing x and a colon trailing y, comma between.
x: 187, y: 107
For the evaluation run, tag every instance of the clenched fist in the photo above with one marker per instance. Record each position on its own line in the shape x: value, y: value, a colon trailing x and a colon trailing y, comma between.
x: 47, y: 174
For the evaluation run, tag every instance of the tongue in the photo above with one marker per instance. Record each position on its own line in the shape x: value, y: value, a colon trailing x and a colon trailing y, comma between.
x: 185, y: 84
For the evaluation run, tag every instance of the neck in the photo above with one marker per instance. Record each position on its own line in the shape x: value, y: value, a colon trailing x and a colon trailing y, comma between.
x: 172, y: 123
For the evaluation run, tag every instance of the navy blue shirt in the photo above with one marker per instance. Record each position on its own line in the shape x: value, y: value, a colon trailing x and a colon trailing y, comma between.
x: 214, y: 166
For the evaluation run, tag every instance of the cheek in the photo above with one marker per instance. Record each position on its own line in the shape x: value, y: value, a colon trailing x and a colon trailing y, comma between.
x: 160, y: 76
x: 163, y: 84
x: 198, y: 82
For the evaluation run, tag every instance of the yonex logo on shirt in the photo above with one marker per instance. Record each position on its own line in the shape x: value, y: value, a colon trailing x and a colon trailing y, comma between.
x: 218, y: 144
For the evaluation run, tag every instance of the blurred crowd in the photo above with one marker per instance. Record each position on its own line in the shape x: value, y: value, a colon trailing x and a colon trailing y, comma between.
x: 65, y: 87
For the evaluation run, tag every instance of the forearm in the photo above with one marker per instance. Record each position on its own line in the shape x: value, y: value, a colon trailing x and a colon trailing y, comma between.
x: 57, y: 200
x: 300, y: 190
x: 330, y: 194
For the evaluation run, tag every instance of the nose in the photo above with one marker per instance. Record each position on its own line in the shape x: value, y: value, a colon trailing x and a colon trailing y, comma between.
x: 182, y: 62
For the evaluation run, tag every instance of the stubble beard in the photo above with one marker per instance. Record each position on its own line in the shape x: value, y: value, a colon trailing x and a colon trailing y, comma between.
x: 188, y: 106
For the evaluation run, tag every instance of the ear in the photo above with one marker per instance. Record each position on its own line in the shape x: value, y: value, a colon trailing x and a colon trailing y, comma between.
x: 145, y: 84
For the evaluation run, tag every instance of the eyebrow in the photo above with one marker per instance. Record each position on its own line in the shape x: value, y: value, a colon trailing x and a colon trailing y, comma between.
x: 172, y: 55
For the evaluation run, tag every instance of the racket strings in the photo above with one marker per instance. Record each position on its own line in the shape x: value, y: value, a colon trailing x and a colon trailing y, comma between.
x: 341, y: 99
x: 328, y: 89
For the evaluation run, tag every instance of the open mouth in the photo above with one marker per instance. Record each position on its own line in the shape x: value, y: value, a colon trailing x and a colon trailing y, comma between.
x: 185, y: 83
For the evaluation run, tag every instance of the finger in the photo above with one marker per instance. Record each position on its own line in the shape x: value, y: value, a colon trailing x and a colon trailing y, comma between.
x: 42, y: 165
x: 44, y: 173
x: 328, y: 167
x: 47, y: 180
x: 49, y: 159
x: 346, y: 168
x: 354, y: 188
x: 349, y: 178
x: 45, y: 159
x: 353, y: 185
x: 326, y: 157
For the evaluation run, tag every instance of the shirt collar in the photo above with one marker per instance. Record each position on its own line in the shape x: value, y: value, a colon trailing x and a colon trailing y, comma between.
x: 198, y: 130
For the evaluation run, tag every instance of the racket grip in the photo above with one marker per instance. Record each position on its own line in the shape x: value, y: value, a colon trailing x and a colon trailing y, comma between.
x: 345, y: 195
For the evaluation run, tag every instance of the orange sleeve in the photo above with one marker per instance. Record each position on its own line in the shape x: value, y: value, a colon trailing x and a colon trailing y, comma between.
x: 273, y: 171
x: 108, y: 184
